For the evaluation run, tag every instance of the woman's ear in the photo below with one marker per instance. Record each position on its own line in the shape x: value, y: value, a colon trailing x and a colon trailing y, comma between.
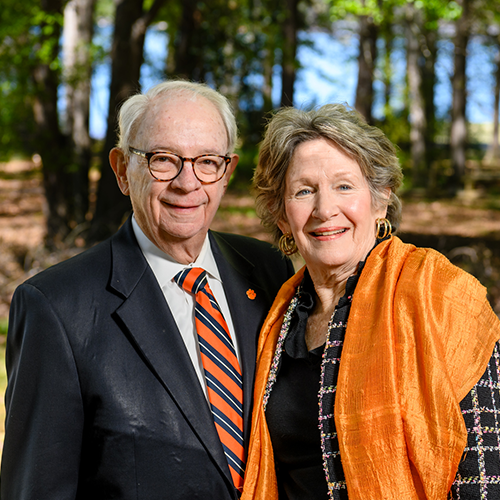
x: 119, y: 165
x: 284, y: 226
x: 386, y: 194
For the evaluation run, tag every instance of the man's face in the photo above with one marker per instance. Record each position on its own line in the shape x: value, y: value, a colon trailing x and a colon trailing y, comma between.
x: 176, y: 215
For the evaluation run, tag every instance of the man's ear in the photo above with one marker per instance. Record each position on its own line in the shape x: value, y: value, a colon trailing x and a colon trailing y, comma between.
x: 118, y: 163
x: 230, y: 169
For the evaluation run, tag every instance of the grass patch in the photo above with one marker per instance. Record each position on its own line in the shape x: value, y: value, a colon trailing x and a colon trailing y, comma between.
x: 4, y: 324
x: 3, y: 386
x: 233, y: 210
x: 3, y: 377
x: 25, y: 175
x: 247, y: 212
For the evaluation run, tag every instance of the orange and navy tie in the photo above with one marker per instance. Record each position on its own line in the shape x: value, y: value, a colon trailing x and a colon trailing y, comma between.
x: 222, y: 369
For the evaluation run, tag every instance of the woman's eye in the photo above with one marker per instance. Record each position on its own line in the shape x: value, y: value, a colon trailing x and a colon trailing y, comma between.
x: 303, y: 192
x: 345, y: 187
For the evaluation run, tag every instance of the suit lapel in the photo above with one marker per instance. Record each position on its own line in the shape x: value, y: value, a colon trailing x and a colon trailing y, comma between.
x: 248, y: 308
x: 153, y: 331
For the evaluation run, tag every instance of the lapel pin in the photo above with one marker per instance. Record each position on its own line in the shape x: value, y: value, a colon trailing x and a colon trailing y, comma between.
x: 251, y: 294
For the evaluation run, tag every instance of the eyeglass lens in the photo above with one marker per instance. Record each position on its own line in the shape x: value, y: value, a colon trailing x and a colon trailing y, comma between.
x: 207, y: 168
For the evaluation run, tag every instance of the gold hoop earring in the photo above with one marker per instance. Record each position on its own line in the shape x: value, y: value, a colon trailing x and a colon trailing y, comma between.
x: 287, y: 244
x: 384, y: 228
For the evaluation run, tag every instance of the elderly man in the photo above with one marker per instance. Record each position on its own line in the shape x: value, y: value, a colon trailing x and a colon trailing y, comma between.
x: 131, y: 366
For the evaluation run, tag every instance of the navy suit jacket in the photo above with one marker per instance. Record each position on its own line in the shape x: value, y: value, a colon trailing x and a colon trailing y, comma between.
x: 103, y: 401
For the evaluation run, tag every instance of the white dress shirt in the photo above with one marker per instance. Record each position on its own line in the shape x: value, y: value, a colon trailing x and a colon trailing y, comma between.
x: 180, y: 302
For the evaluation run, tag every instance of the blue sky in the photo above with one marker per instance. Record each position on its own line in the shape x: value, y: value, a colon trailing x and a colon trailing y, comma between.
x: 328, y: 74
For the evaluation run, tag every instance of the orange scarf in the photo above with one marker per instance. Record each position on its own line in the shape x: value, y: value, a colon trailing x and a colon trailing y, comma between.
x: 419, y: 336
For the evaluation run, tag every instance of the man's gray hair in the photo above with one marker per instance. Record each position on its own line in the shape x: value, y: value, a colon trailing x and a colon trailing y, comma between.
x: 135, y: 108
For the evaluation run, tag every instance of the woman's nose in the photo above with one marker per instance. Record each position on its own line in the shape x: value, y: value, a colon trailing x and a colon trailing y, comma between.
x: 326, y: 205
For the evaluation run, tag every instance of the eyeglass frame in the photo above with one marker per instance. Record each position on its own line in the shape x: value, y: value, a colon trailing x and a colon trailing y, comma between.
x: 149, y: 154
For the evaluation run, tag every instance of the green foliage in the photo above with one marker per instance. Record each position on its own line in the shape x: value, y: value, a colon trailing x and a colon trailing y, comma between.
x: 435, y: 9
x: 25, y: 41
x: 16, y: 121
x: 340, y: 9
x: 105, y: 9
x: 234, y: 47
x: 4, y: 325
x: 243, y: 174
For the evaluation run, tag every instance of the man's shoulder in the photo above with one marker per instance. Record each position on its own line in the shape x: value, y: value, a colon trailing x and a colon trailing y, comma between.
x: 94, y: 261
x: 93, y: 264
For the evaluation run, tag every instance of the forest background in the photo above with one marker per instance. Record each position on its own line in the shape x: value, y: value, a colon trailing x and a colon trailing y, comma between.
x: 416, y: 68
x: 426, y: 71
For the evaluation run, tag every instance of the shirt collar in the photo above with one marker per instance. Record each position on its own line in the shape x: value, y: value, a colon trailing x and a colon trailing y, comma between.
x: 165, y: 267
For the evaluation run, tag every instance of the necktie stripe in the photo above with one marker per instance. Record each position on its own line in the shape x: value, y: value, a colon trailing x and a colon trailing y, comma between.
x: 232, y: 440
x: 213, y: 303
x: 223, y: 385
x: 181, y: 277
x: 192, y: 279
x: 220, y: 404
x: 237, y: 478
x: 228, y: 402
x: 226, y: 363
x: 222, y: 370
x: 215, y: 324
x: 223, y: 364
x: 229, y: 425
x: 231, y: 402
x: 235, y: 461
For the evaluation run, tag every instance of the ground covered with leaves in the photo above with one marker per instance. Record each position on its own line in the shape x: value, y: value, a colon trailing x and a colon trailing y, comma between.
x: 468, y: 233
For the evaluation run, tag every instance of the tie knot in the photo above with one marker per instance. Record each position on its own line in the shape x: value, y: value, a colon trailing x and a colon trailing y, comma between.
x: 193, y: 279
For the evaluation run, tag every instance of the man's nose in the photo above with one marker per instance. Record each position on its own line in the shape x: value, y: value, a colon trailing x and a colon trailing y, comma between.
x: 186, y: 180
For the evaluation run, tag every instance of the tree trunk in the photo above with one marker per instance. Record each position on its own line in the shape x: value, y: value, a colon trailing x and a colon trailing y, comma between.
x: 185, y: 60
x: 493, y: 153
x: 418, y: 126
x: 51, y: 143
x: 388, y: 36
x: 267, y: 88
x: 77, y: 36
x: 368, y: 33
x: 126, y: 60
x: 458, y: 133
x: 428, y: 90
x: 289, y: 65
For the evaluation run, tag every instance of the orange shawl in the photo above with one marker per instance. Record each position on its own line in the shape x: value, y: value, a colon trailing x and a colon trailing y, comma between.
x: 419, y: 336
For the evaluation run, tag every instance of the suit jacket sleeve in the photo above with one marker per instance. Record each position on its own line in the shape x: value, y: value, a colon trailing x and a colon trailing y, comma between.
x: 44, y: 417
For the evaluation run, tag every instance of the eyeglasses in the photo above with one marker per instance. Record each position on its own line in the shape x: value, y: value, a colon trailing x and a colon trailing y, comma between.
x: 165, y: 166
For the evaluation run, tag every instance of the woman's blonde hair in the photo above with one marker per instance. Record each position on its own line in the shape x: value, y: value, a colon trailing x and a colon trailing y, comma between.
x: 345, y: 127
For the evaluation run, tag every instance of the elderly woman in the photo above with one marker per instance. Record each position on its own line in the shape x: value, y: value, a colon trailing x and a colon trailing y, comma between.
x: 371, y: 360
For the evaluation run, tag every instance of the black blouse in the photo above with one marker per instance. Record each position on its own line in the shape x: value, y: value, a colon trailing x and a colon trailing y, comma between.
x: 292, y: 409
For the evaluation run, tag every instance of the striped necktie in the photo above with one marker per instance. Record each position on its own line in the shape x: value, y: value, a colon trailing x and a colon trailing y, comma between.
x: 222, y: 369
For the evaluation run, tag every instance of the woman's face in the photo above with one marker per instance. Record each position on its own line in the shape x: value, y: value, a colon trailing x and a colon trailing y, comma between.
x: 328, y: 208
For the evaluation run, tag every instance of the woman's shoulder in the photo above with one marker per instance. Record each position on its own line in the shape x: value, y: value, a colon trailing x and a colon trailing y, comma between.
x: 428, y: 264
